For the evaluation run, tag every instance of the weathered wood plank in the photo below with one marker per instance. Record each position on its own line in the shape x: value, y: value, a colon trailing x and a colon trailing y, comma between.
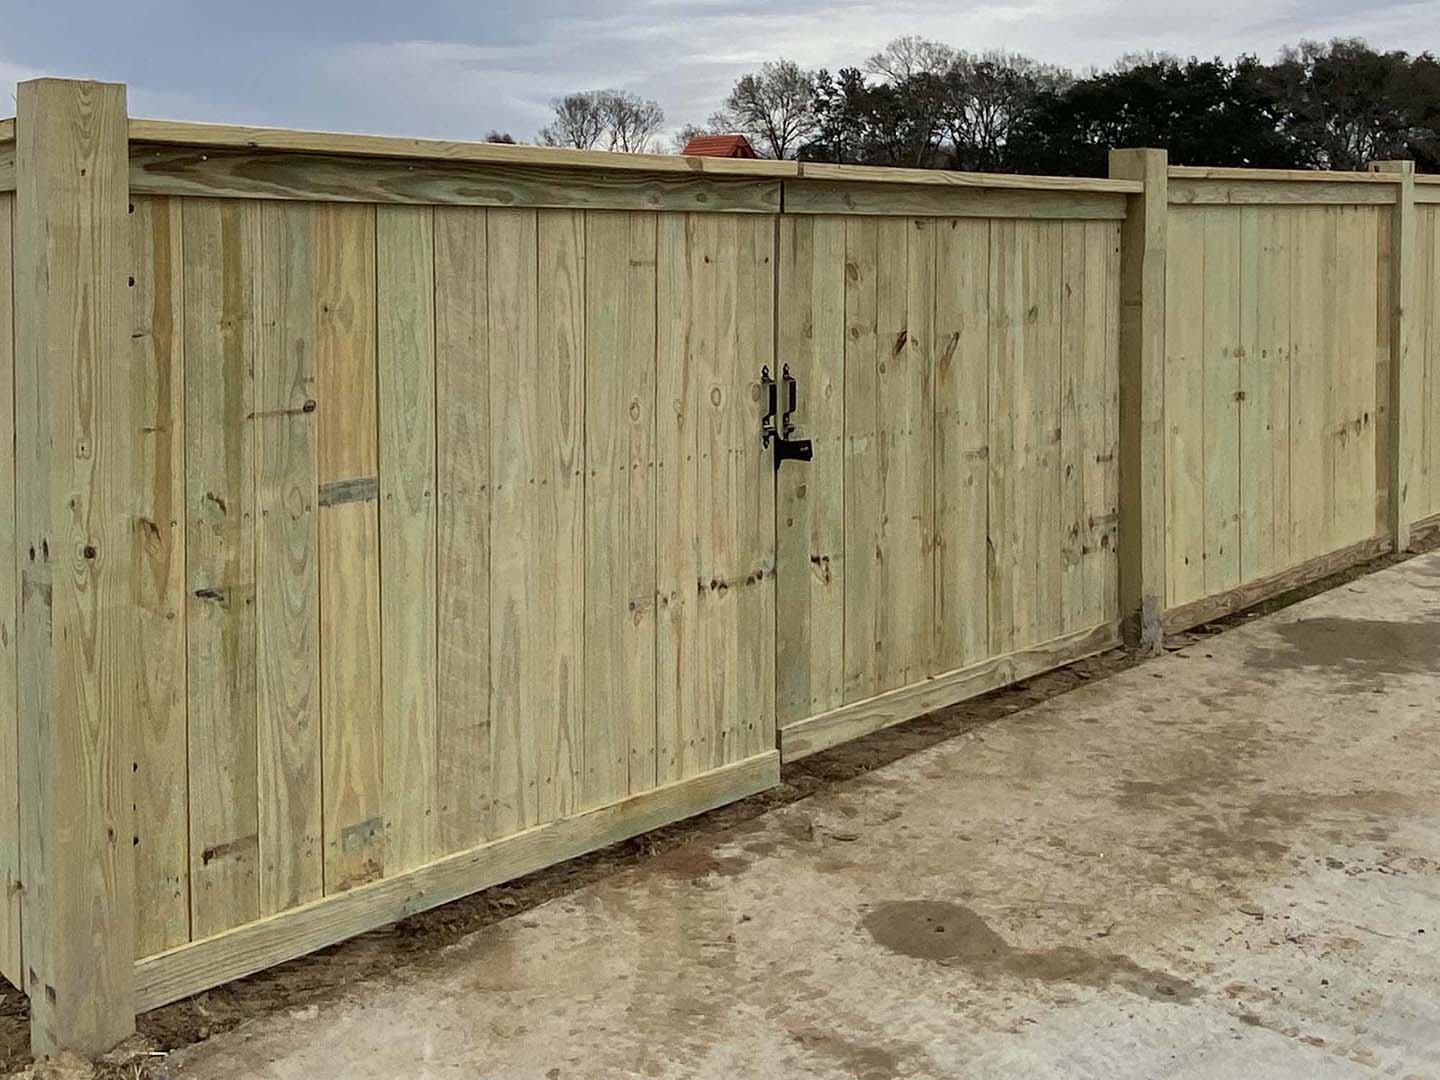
x: 1220, y: 401
x: 962, y: 451
x: 806, y: 196
x: 1355, y: 312
x: 1211, y: 608
x: 162, y: 827
x: 462, y: 397
x: 405, y: 272
x: 1310, y: 451
x: 75, y: 530
x: 1184, y: 413
x: 1096, y: 386
x: 222, y: 304
x: 514, y: 448
x: 248, y: 174
x: 1070, y: 505
x: 1007, y: 427
x: 553, y: 410
x: 1245, y: 192
x: 810, y: 522
x: 620, y: 506
x: 347, y: 467
x: 886, y: 710
x: 204, y: 964
x: 1044, y: 529
x: 11, y: 959
x: 1143, y: 555
x: 287, y: 586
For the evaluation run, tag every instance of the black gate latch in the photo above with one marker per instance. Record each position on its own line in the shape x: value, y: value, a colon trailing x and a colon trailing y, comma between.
x: 786, y: 448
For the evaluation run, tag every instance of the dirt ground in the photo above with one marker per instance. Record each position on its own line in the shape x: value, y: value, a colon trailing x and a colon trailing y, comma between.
x: 1006, y: 891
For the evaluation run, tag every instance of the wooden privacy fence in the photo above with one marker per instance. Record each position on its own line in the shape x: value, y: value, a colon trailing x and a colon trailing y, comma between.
x: 392, y: 517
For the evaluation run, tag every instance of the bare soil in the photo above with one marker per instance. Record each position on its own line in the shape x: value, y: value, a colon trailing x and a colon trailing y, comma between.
x: 323, y: 976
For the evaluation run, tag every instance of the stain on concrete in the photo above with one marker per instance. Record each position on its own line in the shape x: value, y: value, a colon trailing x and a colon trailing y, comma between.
x: 863, y: 1061
x: 1361, y: 651
x: 952, y: 934
x: 690, y: 863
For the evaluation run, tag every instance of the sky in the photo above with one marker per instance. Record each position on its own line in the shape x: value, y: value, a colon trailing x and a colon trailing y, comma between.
x: 457, y: 69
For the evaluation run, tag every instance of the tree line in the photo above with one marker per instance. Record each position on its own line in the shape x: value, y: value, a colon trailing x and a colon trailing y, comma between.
x: 924, y: 104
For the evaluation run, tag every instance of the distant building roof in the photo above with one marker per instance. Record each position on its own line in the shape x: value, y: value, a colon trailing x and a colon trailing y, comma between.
x: 720, y: 146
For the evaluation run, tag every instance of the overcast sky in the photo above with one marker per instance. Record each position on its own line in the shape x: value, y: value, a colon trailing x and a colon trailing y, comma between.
x: 458, y: 68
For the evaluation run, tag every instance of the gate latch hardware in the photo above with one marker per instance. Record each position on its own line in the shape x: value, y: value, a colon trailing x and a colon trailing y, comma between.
x: 786, y: 448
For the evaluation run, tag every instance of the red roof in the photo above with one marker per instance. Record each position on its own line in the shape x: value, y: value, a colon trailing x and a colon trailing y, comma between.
x: 719, y: 146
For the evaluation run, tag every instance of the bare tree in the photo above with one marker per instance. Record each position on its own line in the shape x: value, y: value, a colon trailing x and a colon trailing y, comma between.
x: 720, y: 123
x: 775, y: 107
x: 631, y: 122
x: 911, y: 55
x: 579, y: 121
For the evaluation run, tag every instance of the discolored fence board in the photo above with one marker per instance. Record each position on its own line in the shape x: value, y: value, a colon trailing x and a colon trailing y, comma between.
x: 11, y: 964
x: 287, y: 589
x: 161, y: 795
x: 405, y: 272
x: 620, y: 506
x: 962, y: 443
x: 810, y: 523
x: 462, y: 434
x: 222, y: 271
x: 715, y: 562
x: 348, y: 536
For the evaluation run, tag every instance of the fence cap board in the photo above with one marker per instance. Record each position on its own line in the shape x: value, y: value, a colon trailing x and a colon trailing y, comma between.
x: 225, y: 136
x: 1205, y: 172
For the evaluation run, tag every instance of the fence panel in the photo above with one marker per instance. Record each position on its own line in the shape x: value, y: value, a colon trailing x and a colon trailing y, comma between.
x: 1426, y: 339
x: 1275, y: 387
x: 457, y: 526
x: 957, y: 527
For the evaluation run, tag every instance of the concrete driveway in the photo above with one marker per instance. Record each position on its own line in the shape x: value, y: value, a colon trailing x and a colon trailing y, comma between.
x: 1225, y: 861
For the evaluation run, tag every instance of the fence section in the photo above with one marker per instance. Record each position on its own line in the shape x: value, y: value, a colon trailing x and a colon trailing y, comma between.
x: 1276, y: 379
x: 1426, y: 343
x: 438, y: 552
x: 392, y: 518
x: 957, y: 530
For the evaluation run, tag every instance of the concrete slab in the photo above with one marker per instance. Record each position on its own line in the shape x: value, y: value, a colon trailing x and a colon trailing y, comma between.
x: 1223, y: 861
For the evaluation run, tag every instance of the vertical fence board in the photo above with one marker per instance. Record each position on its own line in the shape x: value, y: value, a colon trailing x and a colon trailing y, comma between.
x: 162, y: 830
x: 287, y: 593
x: 555, y: 567
x: 405, y: 272
x: 348, y: 462
x: 1357, y: 238
x: 1220, y: 426
x: 751, y: 722
x: 222, y: 266
x: 10, y: 953
x: 1428, y: 288
x: 1006, y: 430
x: 1075, y: 410
x: 962, y: 410
x: 1094, y: 384
x: 1046, y: 617
x: 514, y: 448
x: 619, y: 690
x: 863, y: 460
x: 1184, y: 414
x: 462, y: 395
x: 1107, y: 453
x: 810, y: 561
x: 1310, y: 465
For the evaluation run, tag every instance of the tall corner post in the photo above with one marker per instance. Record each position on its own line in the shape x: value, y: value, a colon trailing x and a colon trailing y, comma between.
x: 1142, y: 396
x: 1405, y: 391
x: 74, y: 525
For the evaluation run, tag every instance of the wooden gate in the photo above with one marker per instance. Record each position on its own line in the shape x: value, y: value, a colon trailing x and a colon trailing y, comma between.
x: 959, y: 372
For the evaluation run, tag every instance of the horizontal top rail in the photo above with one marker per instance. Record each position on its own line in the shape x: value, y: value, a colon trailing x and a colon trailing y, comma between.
x: 1205, y: 172
x: 223, y: 136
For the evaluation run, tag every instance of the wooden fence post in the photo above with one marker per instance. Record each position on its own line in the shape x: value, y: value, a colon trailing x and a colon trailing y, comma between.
x: 1142, y: 396
x: 74, y: 521
x: 1406, y: 389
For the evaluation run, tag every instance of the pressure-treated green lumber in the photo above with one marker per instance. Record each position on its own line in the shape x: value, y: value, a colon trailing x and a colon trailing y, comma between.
x: 1407, y: 363
x: 74, y: 439
x: 1142, y: 396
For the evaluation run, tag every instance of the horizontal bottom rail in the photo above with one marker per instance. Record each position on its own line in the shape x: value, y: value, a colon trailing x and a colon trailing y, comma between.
x: 1425, y: 533
x: 1210, y: 608
x: 189, y: 969
x: 849, y: 722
